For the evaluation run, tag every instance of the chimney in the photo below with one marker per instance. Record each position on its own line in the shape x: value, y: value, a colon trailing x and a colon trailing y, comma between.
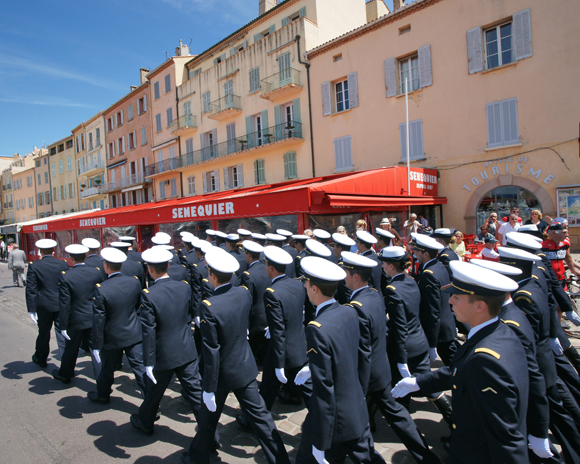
x: 143, y: 74
x: 266, y: 5
x: 133, y: 87
x: 398, y: 4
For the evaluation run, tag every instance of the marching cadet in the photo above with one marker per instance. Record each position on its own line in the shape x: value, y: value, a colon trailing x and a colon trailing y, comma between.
x: 278, y: 241
x: 323, y: 237
x: 200, y: 273
x: 189, y: 252
x: 313, y: 248
x: 300, y: 244
x: 488, y: 375
x: 384, y: 238
x: 407, y: 345
x: 133, y: 254
x: 162, y: 238
x: 168, y: 346
x: 220, y: 240
x: 93, y: 259
x: 435, y: 313
x: 210, y: 236
x: 176, y: 271
x: 446, y: 255
x: 287, y: 247
x: 42, y: 298
x: 234, y: 247
x: 244, y: 234
x: 194, y: 278
x: 532, y: 300
x: 261, y: 239
x: 364, y: 245
x: 337, y: 421
x: 256, y: 281
x: 375, y: 371
x: 340, y: 243
x: 229, y: 364
x: 116, y: 325
x: 129, y: 267
x: 76, y: 288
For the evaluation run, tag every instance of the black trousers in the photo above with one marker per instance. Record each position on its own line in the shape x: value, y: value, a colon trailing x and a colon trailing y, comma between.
x: 569, y: 387
x: 71, y: 353
x: 563, y: 427
x: 46, y: 320
x: 270, y: 383
x: 255, y: 410
x: 109, y: 360
x: 259, y: 346
x: 189, y: 378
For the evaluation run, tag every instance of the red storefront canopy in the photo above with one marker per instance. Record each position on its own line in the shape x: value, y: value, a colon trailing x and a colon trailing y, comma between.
x: 377, y: 189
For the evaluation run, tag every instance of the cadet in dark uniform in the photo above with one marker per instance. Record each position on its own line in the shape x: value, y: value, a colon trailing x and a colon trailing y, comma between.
x: 435, y: 313
x: 210, y: 236
x: 162, y: 238
x: 323, y: 237
x: 234, y: 246
x: 42, y: 298
x: 407, y: 345
x: 532, y: 300
x: 229, y: 364
x: 261, y: 239
x: 244, y: 234
x: 93, y: 259
x: 220, y: 240
x: 384, y: 238
x: 286, y: 246
x: 76, y: 289
x: 374, y: 368
x: 488, y: 375
x: 337, y: 421
x: 313, y: 248
x: 446, y: 255
x: 300, y: 244
x: 278, y: 241
x: 131, y: 268
x: 133, y: 254
x: 364, y: 245
x: 342, y: 243
x: 189, y: 253
x: 116, y: 325
x: 168, y: 346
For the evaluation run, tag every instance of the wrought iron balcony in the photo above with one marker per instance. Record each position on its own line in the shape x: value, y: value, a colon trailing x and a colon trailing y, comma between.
x: 183, y: 124
x: 123, y: 182
x: 92, y: 168
x: 89, y: 192
x: 290, y: 132
x: 281, y: 84
x: 225, y: 107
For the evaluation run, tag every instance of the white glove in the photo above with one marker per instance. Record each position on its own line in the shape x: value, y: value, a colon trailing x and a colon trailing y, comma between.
x: 433, y: 354
x: 34, y: 318
x: 97, y: 356
x: 303, y: 376
x: 197, y: 321
x: 267, y: 333
x: 281, y: 377
x: 404, y: 387
x: 540, y: 446
x: 65, y: 334
x: 404, y: 370
x: 318, y: 455
x: 149, y: 372
x: 209, y: 400
x: 573, y: 317
x: 556, y: 346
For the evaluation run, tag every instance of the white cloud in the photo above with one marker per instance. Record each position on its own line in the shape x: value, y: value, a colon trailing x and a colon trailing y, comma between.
x: 61, y: 102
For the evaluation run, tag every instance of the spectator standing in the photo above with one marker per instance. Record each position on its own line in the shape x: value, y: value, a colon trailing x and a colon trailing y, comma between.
x: 411, y: 226
x: 515, y: 210
x: 492, y: 224
x: 17, y: 262
x: 536, y: 219
x: 423, y: 221
x: 457, y: 244
x: 506, y: 227
x: 2, y: 249
x: 386, y: 225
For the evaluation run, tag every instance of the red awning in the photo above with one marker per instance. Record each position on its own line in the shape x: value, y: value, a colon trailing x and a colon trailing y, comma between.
x: 356, y: 201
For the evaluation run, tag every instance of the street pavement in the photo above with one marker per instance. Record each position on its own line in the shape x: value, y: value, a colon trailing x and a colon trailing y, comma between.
x: 44, y: 421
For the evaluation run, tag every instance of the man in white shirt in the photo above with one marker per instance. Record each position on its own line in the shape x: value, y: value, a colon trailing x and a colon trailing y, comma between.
x: 511, y: 226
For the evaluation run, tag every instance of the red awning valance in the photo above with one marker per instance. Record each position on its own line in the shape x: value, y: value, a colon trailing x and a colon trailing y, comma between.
x: 382, y: 201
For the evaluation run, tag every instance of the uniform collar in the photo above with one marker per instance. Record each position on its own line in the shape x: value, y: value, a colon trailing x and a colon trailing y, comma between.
x: 399, y: 274
x: 222, y: 289
x: 368, y: 252
x: 277, y: 278
x: 92, y: 254
x: 357, y: 291
x: 434, y: 261
x: 324, y: 305
x: 477, y: 328
x: 257, y: 261
x: 507, y: 302
x: 79, y: 264
x: 161, y: 278
x: 521, y: 283
x: 46, y: 256
x: 114, y: 274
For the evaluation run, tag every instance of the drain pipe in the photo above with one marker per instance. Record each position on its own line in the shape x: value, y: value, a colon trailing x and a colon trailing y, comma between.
x: 307, y: 66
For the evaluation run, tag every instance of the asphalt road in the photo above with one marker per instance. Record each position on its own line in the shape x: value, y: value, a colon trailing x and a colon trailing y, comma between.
x: 44, y: 421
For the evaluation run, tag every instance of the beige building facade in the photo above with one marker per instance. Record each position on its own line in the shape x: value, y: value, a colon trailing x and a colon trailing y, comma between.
x: 90, y: 163
x: 493, y: 104
x: 63, y: 177
x: 43, y: 185
x: 24, y: 193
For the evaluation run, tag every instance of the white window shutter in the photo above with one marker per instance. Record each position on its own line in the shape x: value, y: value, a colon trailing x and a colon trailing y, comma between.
x: 416, y: 135
x: 123, y: 142
x: 326, y: 100
x: 257, y: 37
x: 403, y: 138
x: 272, y: 29
x: 338, y: 155
x: 522, y: 34
x: 217, y: 179
x: 352, y: 89
x: 108, y: 155
x: 204, y: 177
x: 509, y: 113
x: 232, y: 51
x: 214, y: 136
x: 474, y: 54
x: 122, y: 117
x: 226, y: 178
x: 240, y: 175
x: 144, y: 103
x: 391, y: 76
x: 493, y: 112
x: 425, y: 66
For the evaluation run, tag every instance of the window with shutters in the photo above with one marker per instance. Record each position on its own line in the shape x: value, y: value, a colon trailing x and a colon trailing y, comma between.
x: 341, y: 96
x: 111, y: 150
x: 231, y: 133
x: 290, y: 169
x: 53, y: 170
x: 158, y: 122
x: 206, y: 100
x: 61, y: 166
x: 119, y: 118
x: 193, y: 72
x: 168, y: 83
x: 162, y: 189
x: 173, y: 187
x: 169, y: 116
x: 97, y: 137
x: 254, y: 79
x: 156, y: 90
x: 131, y: 140
x: 191, y: 185
x: 233, y: 177
x: 46, y: 177
x: 343, y: 154
x: 415, y: 68
x: 409, y: 72
x: 90, y: 140
x: 130, y: 112
x: 499, y: 46
x: 120, y: 145
x: 211, y: 181
x: 142, y: 105
x: 259, y: 171
x: 502, y: 123
x: 416, y: 151
x: 109, y: 124
x: 69, y: 164
x: 143, y: 135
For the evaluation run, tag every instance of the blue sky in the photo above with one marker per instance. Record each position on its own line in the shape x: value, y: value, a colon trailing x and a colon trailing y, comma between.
x: 62, y: 61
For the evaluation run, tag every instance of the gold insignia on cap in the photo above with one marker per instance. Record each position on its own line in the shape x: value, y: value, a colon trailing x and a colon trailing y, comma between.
x: 357, y: 303
x: 314, y: 323
x: 270, y: 289
x: 517, y: 324
x: 206, y: 302
x: 488, y: 351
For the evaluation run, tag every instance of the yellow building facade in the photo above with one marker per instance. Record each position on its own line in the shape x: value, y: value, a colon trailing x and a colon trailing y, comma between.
x: 63, y: 177
x: 24, y: 193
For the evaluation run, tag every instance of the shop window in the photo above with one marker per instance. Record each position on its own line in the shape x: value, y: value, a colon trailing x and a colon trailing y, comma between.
x: 502, y: 199
x: 259, y: 225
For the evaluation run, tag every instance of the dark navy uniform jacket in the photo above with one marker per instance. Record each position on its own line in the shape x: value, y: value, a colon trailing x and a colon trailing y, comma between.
x: 297, y: 267
x: 435, y: 313
x: 556, y: 288
x: 176, y: 259
x: 228, y: 360
x: 133, y: 268
x: 96, y: 261
x: 290, y: 268
x: 256, y: 280
x: 42, y: 284
x: 377, y: 275
x: 115, y: 321
x: 337, y: 406
x: 191, y: 257
x: 194, y: 280
x: 531, y: 299
x: 284, y: 313
x: 374, y: 368
x: 332, y: 256
x: 343, y: 293
x: 488, y: 379
x: 241, y: 257
x: 178, y: 272
x: 165, y: 315
x: 538, y: 408
x: 445, y: 256
x: 77, y: 286
x: 134, y: 256
x: 406, y: 337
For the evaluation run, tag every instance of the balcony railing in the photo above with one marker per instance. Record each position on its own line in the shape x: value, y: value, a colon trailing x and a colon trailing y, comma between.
x: 187, y: 121
x: 282, y: 132
x: 91, y: 191
x: 9, y: 187
x: 286, y: 79
x: 222, y: 107
x: 91, y: 166
x: 123, y: 182
x: 7, y: 204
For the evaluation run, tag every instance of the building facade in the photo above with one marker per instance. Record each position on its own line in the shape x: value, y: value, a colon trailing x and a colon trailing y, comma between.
x: 90, y: 163
x: 24, y: 193
x: 483, y: 107
x: 43, y: 185
x: 63, y: 178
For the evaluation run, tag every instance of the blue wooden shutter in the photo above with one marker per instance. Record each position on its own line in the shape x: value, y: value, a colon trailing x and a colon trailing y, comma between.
x: 245, y: 44
x: 226, y: 178
x: 509, y: 115
x: 265, y: 121
x: 257, y: 37
x: 474, y: 55
x: 391, y: 76
x: 297, y: 117
x: 278, y: 122
x: 352, y: 89
x: 272, y: 29
x: 223, y: 56
x: 249, y: 130
x: 232, y: 51
x: 302, y: 11
x: 326, y: 99
x: 256, y: 175
x: 285, y: 21
x: 425, y: 66
x: 522, y: 34
x: 416, y: 139
x: 493, y: 113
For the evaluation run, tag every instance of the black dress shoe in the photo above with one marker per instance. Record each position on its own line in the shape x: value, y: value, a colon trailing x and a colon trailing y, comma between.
x: 185, y: 459
x: 56, y: 375
x: 289, y: 399
x: 37, y: 362
x: 94, y: 396
x: 136, y: 422
x: 243, y: 422
x: 216, y: 445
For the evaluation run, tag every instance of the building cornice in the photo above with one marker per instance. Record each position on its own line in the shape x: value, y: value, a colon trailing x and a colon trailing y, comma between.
x: 126, y: 97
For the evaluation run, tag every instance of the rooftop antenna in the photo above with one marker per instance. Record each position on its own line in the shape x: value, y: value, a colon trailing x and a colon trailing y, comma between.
x: 165, y: 55
x: 190, y: 40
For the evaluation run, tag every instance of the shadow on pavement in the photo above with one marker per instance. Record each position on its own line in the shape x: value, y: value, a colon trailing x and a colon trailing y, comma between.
x: 76, y: 406
x: 16, y: 369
